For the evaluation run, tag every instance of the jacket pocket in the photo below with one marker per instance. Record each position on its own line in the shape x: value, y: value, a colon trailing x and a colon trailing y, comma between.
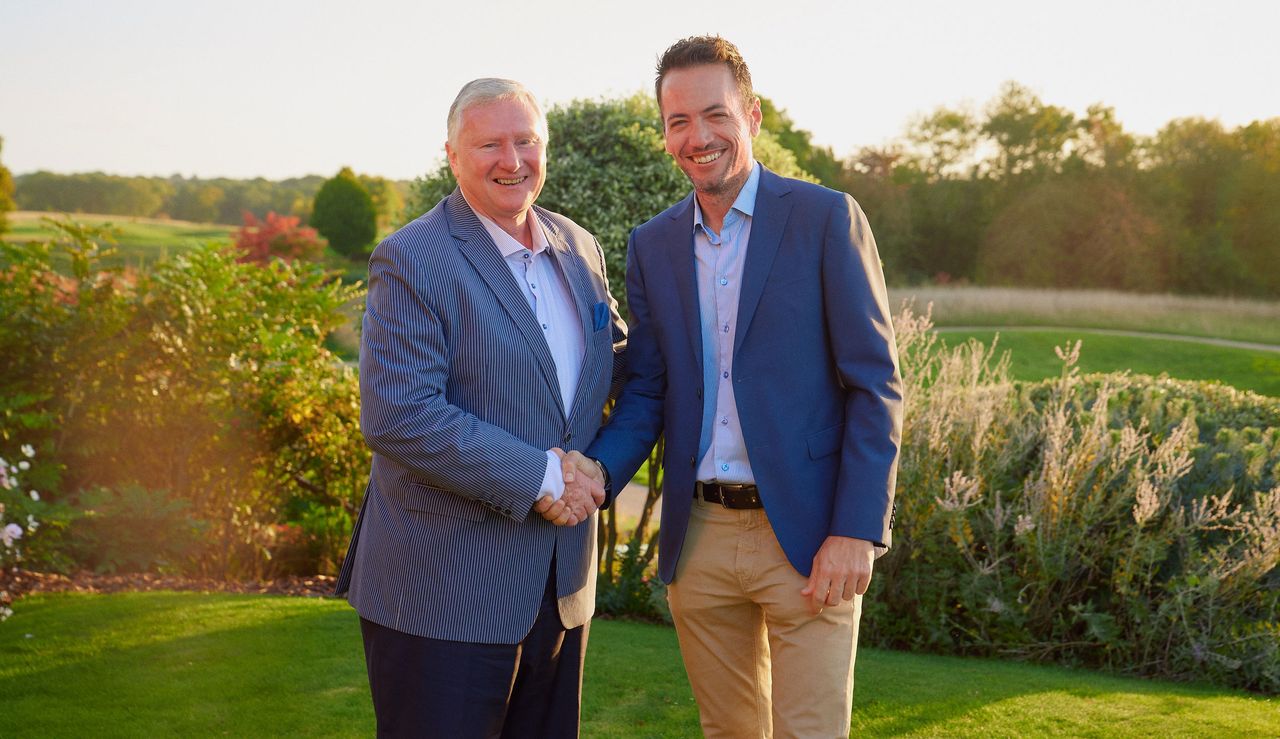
x: 825, y: 442
x: 426, y: 499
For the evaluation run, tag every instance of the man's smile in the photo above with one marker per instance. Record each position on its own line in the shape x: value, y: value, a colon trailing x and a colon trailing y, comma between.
x: 707, y: 158
x: 510, y: 181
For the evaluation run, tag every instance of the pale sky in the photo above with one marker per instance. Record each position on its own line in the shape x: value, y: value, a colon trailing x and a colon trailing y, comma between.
x: 282, y: 88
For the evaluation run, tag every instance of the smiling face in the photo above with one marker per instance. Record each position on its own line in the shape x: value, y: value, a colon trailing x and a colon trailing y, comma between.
x: 500, y: 159
x: 708, y: 128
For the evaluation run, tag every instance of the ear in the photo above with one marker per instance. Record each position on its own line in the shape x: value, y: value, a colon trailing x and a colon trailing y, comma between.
x: 453, y: 158
x: 756, y: 117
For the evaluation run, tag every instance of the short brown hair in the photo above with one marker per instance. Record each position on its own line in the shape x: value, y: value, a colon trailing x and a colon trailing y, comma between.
x: 698, y: 50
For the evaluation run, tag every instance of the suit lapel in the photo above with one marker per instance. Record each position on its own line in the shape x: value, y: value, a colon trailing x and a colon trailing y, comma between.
x: 679, y: 243
x: 768, y: 222
x: 479, y: 249
x: 575, y: 272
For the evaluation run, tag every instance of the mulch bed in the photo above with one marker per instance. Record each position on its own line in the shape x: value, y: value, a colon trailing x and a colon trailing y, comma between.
x: 15, y: 583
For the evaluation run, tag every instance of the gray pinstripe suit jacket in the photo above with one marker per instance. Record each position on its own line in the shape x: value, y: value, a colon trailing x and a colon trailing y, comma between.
x: 459, y: 401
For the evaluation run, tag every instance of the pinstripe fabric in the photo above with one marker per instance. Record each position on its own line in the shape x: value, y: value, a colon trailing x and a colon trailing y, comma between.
x: 459, y: 401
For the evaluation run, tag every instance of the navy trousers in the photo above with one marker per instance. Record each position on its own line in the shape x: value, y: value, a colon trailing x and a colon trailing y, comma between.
x: 435, y: 688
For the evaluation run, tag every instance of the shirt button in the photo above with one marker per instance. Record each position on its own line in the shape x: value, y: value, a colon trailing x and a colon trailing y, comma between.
x: 725, y: 375
x: 724, y: 281
x: 544, y: 327
x: 724, y: 421
x: 726, y: 328
x: 532, y: 286
x: 525, y: 255
x: 724, y: 468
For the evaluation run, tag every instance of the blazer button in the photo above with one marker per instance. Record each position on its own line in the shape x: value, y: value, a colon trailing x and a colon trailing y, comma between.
x: 693, y: 461
x: 699, y: 393
x: 568, y: 437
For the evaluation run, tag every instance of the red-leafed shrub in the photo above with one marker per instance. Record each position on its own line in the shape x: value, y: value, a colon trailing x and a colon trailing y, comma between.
x: 277, y: 237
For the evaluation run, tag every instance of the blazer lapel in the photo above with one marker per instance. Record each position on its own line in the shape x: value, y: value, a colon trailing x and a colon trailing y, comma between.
x: 575, y: 272
x: 478, y: 247
x: 768, y: 222
x: 680, y: 256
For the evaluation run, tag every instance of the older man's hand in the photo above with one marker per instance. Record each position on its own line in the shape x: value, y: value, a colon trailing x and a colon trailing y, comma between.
x: 583, y: 491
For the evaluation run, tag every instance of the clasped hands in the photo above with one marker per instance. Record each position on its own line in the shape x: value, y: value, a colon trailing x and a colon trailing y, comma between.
x: 583, y: 491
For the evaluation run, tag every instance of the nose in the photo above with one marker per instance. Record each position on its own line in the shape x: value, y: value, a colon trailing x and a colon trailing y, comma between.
x: 510, y: 159
x: 702, y: 133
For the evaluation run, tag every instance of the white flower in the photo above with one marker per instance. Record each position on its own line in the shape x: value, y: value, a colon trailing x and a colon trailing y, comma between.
x: 24, y: 465
x: 5, y: 612
x: 10, y: 533
x: 32, y: 523
x: 28, y: 450
x: 35, y: 496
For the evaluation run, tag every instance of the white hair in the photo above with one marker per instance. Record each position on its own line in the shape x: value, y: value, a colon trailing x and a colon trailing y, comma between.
x: 489, y: 90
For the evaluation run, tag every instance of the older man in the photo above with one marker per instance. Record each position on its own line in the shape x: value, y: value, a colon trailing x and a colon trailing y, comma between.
x: 761, y: 346
x: 488, y: 345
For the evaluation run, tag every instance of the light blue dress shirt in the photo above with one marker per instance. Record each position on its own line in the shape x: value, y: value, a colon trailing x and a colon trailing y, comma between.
x: 547, y: 291
x: 719, y: 259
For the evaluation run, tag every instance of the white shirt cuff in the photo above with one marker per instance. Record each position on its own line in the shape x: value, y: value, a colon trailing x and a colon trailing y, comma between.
x: 553, y: 480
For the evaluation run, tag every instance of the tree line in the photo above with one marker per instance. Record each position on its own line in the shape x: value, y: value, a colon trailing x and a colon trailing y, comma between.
x: 1014, y: 192
x: 1023, y: 192
x: 216, y: 200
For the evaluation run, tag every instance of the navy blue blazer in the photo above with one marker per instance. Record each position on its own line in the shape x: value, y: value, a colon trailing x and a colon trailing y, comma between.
x: 815, y: 370
x: 459, y: 403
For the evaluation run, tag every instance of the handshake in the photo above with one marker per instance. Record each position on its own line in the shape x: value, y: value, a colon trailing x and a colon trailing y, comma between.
x: 583, y: 491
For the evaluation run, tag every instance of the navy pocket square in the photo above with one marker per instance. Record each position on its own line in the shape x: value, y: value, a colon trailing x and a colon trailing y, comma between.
x: 600, y: 315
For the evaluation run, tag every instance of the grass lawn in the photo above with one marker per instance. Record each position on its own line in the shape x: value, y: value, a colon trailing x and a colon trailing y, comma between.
x: 1032, y: 357
x: 1224, y: 318
x: 182, y: 664
x: 138, y: 241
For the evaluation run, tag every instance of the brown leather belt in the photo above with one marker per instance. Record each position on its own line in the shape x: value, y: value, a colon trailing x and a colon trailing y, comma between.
x: 729, y: 496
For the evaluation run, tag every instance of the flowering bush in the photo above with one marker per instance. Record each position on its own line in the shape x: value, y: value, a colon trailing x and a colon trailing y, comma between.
x: 17, y: 518
x: 277, y: 237
x: 1112, y: 520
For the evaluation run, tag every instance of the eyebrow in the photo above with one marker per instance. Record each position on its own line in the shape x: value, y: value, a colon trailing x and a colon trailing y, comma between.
x: 708, y: 109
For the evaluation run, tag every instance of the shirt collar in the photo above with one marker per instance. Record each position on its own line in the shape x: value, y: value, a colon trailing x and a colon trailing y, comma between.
x: 745, y: 203
x: 505, y: 242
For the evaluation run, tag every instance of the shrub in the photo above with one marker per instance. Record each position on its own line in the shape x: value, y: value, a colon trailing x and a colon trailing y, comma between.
x: 276, y: 237
x: 201, y: 376
x: 132, y: 529
x: 1118, y: 521
x: 345, y: 214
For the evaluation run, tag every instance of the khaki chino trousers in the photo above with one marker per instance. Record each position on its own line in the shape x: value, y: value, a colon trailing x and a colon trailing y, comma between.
x: 760, y: 664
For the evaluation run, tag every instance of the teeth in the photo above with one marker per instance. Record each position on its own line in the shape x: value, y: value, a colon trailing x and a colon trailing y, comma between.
x: 516, y: 181
x: 707, y: 158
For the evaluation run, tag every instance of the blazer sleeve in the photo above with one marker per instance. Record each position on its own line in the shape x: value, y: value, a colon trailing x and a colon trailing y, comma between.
x: 861, y: 335
x: 636, y: 421
x: 404, y: 413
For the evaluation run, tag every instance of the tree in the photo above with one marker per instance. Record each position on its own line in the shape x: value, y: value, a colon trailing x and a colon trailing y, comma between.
x: 387, y: 200
x: 344, y: 214
x: 1030, y: 135
x: 817, y: 160
x: 6, y: 193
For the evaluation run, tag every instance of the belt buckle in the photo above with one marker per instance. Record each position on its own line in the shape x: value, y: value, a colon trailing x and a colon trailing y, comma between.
x: 725, y: 488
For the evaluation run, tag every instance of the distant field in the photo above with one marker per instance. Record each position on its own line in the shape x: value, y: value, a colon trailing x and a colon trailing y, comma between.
x: 138, y: 240
x: 1225, y: 318
x: 1032, y: 357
